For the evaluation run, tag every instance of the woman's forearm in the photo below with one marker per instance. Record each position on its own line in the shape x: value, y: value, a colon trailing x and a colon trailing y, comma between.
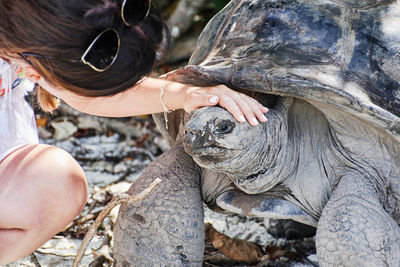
x: 148, y: 97
x: 143, y: 98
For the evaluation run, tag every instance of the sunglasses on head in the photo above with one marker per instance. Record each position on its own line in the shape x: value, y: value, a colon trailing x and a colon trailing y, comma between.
x: 103, y: 50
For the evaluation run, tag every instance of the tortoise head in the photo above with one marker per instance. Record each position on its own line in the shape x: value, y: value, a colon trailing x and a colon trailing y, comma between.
x: 247, y: 154
x: 217, y: 141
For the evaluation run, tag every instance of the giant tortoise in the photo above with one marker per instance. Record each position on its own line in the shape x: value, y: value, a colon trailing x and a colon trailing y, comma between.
x: 329, y: 70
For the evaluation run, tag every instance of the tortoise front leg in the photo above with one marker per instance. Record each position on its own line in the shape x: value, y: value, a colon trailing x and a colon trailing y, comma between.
x: 167, y: 227
x: 355, y: 230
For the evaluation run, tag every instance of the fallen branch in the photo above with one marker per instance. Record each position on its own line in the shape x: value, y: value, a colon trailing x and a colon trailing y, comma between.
x: 35, y: 260
x: 117, y: 199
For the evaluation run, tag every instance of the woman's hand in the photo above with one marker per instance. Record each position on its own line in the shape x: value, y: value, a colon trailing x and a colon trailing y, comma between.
x: 241, y: 106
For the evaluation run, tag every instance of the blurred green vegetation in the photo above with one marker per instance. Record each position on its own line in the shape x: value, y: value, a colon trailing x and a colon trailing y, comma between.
x: 186, y: 42
x: 166, y: 7
x: 219, y: 4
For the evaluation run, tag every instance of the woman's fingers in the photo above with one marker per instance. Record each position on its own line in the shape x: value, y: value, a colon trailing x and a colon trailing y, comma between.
x: 252, y: 109
x: 197, y: 99
x: 241, y: 106
x: 230, y: 104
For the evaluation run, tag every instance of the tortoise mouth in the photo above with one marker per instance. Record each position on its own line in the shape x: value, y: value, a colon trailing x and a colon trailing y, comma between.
x: 208, y: 151
x: 211, y: 156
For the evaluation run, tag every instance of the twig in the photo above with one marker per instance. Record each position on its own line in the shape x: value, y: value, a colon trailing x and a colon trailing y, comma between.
x: 117, y: 199
x: 87, y: 218
x: 82, y: 220
x: 92, y: 206
x: 35, y: 260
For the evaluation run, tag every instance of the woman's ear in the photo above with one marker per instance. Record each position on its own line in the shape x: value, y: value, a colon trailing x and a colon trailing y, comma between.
x: 32, y: 74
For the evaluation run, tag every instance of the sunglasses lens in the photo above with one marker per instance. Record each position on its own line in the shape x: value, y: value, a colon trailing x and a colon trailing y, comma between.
x: 103, y: 51
x: 134, y: 11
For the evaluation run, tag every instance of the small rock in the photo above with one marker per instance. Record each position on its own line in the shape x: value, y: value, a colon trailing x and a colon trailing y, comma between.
x: 87, y: 122
x: 44, y: 134
x: 63, y: 129
x: 120, y: 168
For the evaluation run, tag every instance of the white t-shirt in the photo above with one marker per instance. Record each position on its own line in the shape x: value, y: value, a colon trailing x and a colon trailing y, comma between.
x: 17, y: 121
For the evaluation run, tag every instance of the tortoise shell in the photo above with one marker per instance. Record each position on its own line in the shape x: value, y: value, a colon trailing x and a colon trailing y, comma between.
x: 342, y: 53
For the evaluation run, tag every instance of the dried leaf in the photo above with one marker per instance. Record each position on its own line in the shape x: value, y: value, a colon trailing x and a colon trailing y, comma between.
x: 41, y: 122
x: 236, y: 249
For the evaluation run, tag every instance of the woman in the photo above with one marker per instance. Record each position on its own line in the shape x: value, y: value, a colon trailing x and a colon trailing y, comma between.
x: 95, y: 55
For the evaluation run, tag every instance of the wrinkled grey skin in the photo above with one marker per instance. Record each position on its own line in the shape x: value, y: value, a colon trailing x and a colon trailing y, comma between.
x: 302, y: 157
x: 328, y: 156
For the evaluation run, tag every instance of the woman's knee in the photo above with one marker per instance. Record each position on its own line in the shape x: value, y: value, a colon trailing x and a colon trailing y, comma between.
x: 42, y: 189
x: 65, y: 181
x: 51, y: 182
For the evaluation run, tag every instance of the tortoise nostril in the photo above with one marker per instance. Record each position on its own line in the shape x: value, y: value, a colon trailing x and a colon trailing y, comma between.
x: 189, y: 132
x: 223, y: 127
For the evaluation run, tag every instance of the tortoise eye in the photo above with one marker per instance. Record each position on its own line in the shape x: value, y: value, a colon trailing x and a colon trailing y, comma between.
x: 224, y: 127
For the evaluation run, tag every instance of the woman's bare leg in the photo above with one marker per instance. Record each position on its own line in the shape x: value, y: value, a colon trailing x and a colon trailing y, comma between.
x: 42, y: 189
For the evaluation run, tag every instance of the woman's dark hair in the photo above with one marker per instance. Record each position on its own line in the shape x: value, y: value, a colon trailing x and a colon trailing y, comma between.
x: 61, y: 31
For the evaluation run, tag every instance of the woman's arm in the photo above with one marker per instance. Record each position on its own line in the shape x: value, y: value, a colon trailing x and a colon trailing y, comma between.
x: 145, y: 98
